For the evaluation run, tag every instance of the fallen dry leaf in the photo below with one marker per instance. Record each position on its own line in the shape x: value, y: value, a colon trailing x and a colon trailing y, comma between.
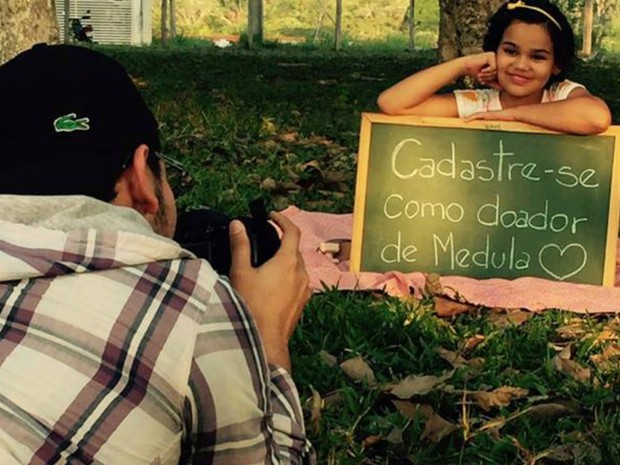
x: 332, y: 194
x: 608, y: 360
x: 139, y: 82
x: 332, y: 398
x: 337, y: 176
x: 605, y: 335
x: 495, y: 424
x: 562, y: 454
x: 432, y: 284
x: 329, y: 359
x: 471, y: 343
x: 476, y: 362
x: 316, y: 405
x: 318, y: 204
x: 358, y: 371
x: 565, y: 353
x: 288, y: 186
x: 310, y: 165
x: 289, y: 136
x: 414, y: 385
x: 452, y: 358
x: 412, y: 410
x: 318, y: 140
x: 579, y: 453
x: 371, y: 440
x: 509, y: 317
x: 269, y: 184
x: 437, y: 428
x: 571, y: 368
x: 268, y: 128
x: 279, y: 202
x: 573, y: 330
x: 395, y: 436
x: 500, y: 397
x: 549, y: 411
x: 445, y: 307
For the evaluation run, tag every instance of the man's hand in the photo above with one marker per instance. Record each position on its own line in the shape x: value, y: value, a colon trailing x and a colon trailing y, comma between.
x: 275, y: 292
x: 483, y: 68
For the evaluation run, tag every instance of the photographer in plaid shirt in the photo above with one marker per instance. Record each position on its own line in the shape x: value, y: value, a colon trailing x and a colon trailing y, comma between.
x: 117, y: 346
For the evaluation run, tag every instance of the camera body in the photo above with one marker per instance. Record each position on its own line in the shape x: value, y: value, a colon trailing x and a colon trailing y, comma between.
x: 204, y: 232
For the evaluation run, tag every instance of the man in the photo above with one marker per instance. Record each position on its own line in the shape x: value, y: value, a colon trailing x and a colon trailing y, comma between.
x: 117, y: 346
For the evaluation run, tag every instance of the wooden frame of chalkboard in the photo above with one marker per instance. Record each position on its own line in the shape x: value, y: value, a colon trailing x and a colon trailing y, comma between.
x: 485, y: 199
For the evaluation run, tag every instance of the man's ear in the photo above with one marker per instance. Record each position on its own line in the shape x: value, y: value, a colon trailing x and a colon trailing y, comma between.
x: 136, y: 186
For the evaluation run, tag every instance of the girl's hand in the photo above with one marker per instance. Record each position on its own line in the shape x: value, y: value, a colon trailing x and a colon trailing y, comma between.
x: 499, y: 115
x: 483, y: 67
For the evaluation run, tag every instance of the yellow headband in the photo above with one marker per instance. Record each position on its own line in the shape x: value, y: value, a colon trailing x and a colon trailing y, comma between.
x: 522, y: 4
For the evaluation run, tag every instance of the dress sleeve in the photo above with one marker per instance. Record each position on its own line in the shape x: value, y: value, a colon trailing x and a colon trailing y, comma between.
x: 472, y: 101
x: 239, y: 409
x: 561, y: 90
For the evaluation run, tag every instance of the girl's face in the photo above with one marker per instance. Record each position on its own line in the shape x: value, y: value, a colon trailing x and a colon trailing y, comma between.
x: 525, y: 62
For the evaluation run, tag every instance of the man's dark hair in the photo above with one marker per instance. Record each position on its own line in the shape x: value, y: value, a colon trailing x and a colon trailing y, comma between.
x: 529, y: 12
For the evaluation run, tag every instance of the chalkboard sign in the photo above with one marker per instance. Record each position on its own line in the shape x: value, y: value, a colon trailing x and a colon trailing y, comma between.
x: 485, y: 199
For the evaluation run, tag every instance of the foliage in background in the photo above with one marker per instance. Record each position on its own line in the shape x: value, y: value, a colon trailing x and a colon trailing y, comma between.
x: 605, y: 11
x: 310, y: 20
x: 363, y: 20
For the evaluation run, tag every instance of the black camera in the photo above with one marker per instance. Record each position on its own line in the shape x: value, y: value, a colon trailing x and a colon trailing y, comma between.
x: 204, y: 232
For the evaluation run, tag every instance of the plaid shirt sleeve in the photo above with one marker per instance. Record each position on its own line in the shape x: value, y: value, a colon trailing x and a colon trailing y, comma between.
x: 240, y: 409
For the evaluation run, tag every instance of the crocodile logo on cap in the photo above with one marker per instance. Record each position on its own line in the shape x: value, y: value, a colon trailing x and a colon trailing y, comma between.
x: 70, y: 123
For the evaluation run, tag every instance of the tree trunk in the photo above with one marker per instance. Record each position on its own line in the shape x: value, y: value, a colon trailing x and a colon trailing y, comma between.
x: 462, y: 26
x: 24, y: 23
x: 338, y: 36
x: 588, y: 16
x: 164, y: 21
x: 411, y: 25
x: 255, y: 23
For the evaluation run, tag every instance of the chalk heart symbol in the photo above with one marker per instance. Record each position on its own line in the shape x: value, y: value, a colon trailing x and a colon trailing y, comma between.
x: 553, y: 254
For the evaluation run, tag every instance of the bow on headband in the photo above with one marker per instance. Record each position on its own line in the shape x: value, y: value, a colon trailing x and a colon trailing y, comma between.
x: 522, y: 4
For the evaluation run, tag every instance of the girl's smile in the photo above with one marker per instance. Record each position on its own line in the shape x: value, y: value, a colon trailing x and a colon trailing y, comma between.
x: 518, y: 80
x: 525, y: 62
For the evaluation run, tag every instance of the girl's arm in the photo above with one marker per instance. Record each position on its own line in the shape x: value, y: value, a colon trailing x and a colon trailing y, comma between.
x: 416, y: 95
x: 580, y: 113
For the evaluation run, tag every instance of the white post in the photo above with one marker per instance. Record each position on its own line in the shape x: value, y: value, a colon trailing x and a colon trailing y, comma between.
x: 67, y: 22
x: 338, y: 38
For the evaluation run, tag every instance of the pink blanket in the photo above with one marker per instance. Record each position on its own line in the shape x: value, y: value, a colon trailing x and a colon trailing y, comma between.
x: 530, y: 293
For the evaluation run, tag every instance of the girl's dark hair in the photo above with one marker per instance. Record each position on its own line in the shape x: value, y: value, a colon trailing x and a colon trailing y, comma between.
x: 562, y: 37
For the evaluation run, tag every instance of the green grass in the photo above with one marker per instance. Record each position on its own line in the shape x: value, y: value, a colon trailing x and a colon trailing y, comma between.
x: 398, y: 339
x: 283, y: 124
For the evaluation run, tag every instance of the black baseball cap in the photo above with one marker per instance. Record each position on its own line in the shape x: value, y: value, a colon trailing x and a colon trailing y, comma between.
x: 70, y: 119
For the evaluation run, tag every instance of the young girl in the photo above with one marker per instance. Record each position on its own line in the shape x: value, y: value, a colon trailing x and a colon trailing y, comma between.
x: 528, y: 49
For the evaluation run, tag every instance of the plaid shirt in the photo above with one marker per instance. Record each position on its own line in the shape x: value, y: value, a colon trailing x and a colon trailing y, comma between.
x: 118, y: 348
